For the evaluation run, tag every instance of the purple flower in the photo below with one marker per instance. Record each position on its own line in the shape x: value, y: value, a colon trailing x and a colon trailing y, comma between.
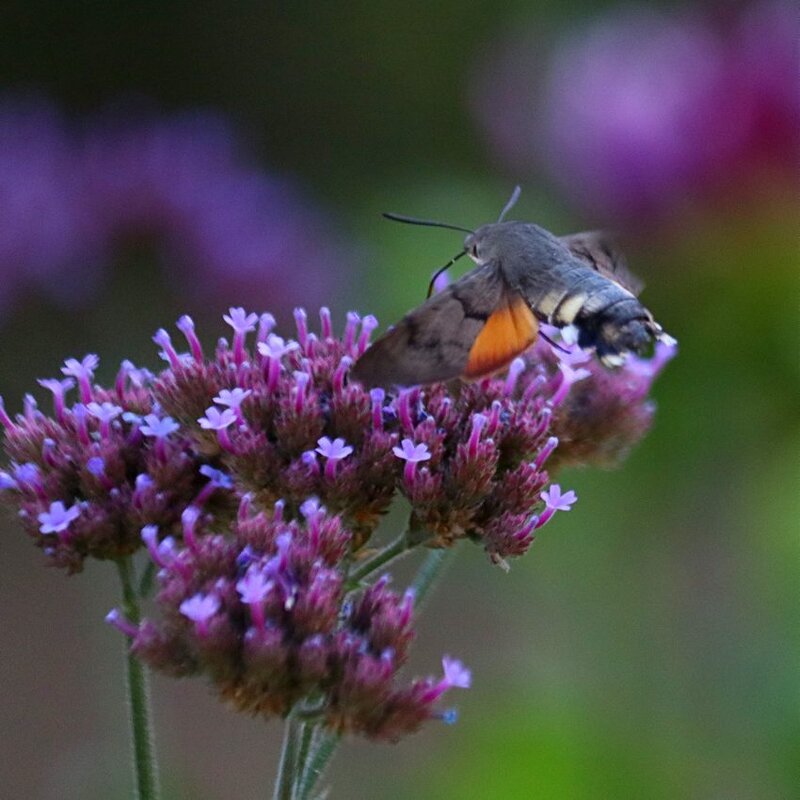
x: 217, y: 477
x: 334, y: 451
x: 569, y: 377
x: 69, y: 195
x: 122, y: 480
x: 643, y: 109
x: 83, y: 372
x: 200, y: 608
x: 455, y: 673
x: 83, y: 369
x: 311, y: 507
x: 232, y: 398
x: 413, y: 453
x: 28, y: 474
x: 275, y: 347
x: 105, y: 412
x: 58, y: 518
x: 48, y: 240
x: 556, y: 501
x: 159, y: 427
x: 59, y: 388
x: 225, y: 228
x: 96, y: 465
x: 254, y: 587
x: 240, y: 320
x: 263, y: 572
x: 216, y: 420
x: 125, y: 626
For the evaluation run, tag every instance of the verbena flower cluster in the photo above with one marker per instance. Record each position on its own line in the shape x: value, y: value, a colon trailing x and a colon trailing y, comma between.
x: 263, y: 612
x: 106, y: 462
x: 73, y: 198
x: 257, y: 475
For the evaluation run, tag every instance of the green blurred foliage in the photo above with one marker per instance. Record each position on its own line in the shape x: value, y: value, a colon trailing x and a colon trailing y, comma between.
x: 648, y: 645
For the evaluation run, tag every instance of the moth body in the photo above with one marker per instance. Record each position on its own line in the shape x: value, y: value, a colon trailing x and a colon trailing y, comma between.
x: 562, y: 289
x: 524, y: 275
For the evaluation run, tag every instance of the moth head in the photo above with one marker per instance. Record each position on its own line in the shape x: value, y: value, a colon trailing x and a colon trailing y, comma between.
x: 474, y: 247
x: 480, y: 245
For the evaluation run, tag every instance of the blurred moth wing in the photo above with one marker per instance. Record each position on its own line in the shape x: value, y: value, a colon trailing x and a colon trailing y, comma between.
x: 472, y: 328
x: 599, y: 251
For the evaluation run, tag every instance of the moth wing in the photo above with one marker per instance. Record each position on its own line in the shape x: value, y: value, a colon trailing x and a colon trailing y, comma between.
x: 509, y: 331
x: 598, y: 250
x: 434, y: 342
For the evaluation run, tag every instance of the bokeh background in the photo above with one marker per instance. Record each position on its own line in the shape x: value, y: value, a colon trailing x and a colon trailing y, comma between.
x: 163, y: 157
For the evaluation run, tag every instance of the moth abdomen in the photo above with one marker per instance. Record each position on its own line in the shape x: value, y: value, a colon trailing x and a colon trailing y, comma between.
x: 620, y: 327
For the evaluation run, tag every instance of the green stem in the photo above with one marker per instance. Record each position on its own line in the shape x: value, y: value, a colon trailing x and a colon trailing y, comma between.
x: 395, y: 549
x: 429, y: 571
x: 144, y: 760
x: 287, y: 768
x: 306, y: 736
x: 325, y: 745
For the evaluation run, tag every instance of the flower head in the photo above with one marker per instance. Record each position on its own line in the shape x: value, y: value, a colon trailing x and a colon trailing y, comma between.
x: 259, y: 532
x: 96, y: 492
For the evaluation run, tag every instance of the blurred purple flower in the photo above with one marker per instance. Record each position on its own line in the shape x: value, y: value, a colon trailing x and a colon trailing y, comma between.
x: 70, y: 199
x: 223, y: 226
x: 648, y: 108
x: 47, y: 242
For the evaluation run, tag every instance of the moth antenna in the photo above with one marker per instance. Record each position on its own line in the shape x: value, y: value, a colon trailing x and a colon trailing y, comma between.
x: 442, y: 269
x: 429, y: 222
x: 512, y: 201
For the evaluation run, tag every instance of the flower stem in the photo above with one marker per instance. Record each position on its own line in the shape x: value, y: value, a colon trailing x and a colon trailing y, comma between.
x: 429, y: 571
x: 288, y: 772
x: 307, y: 732
x: 324, y: 746
x: 393, y: 550
x: 144, y: 760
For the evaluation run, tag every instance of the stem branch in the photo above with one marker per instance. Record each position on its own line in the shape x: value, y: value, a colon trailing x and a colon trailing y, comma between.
x: 287, y: 768
x: 144, y: 760
x: 400, y: 546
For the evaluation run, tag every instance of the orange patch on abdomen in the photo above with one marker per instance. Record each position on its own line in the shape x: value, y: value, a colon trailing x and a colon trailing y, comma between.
x: 511, y: 330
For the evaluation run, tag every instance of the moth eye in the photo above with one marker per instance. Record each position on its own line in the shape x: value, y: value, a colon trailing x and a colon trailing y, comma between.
x: 474, y: 251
